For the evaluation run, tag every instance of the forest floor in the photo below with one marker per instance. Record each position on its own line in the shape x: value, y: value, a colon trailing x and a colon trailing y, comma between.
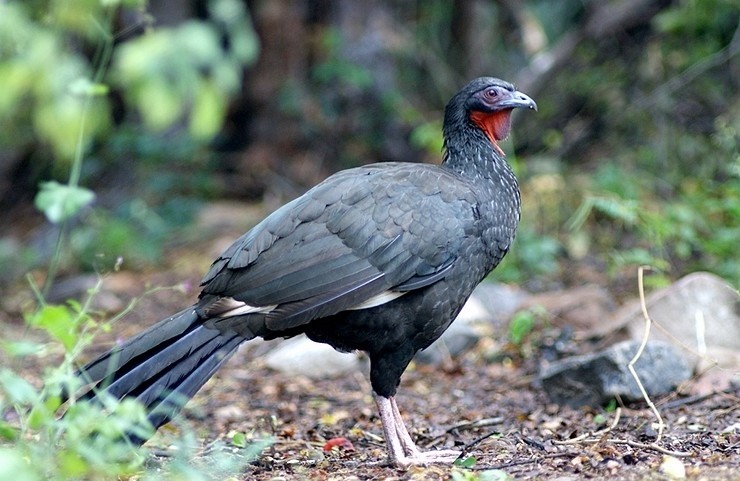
x: 492, y: 410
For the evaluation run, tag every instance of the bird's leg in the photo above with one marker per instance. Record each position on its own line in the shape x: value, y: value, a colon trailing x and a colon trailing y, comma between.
x: 403, y: 435
x: 396, y: 451
x: 401, y: 448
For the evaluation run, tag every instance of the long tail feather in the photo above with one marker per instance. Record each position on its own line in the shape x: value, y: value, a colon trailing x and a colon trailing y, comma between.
x: 163, y: 367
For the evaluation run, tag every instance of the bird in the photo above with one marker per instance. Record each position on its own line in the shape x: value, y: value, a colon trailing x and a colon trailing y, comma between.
x: 379, y: 258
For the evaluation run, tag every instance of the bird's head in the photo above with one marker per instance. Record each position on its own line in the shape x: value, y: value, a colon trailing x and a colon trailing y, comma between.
x: 486, y: 103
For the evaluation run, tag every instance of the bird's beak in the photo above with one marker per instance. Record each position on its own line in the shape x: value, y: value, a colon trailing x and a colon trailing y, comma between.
x: 518, y: 100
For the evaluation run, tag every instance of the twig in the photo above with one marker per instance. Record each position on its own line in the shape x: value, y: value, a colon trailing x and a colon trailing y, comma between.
x: 631, y: 365
x: 653, y: 446
x: 466, y: 449
x: 617, y: 416
x: 532, y: 442
x: 482, y: 467
x: 478, y: 423
x: 633, y: 444
x: 693, y: 71
x: 701, y: 330
x: 597, y: 434
x: 687, y: 400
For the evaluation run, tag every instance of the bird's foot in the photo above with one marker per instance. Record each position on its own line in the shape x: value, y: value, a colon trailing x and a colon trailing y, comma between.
x: 402, y: 451
x: 424, y: 458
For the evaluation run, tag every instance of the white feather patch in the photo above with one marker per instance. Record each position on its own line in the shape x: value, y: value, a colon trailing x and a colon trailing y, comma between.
x: 229, y: 307
x: 377, y: 300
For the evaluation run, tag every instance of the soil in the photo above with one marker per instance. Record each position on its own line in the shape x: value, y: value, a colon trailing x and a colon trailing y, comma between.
x: 491, y: 409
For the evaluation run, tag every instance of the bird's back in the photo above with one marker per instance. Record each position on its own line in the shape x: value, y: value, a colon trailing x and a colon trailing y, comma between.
x: 363, y: 244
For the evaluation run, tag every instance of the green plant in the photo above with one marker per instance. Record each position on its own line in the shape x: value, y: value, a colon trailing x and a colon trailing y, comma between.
x: 87, y: 441
x: 695, y: 229
x: 45, y: 82
x: 523, y: 324
x: 60, y: 64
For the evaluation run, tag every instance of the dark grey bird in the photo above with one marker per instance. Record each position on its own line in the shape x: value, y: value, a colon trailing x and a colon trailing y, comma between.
x: 379, y: 258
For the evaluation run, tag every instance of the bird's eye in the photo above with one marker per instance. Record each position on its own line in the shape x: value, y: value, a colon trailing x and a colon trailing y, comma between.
x: 491, y: 93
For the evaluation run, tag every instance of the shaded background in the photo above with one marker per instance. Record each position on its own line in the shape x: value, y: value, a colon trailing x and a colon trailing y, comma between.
x: 632, y: 158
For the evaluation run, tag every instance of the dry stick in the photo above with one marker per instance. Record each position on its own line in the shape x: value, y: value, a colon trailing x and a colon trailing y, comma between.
x: 631, y: 365
x: 597, y: 437
x: 596, y: 434
x: 464, y: 426
x: 634, y: 444
x: 531, y: 460
x: 478, y: 423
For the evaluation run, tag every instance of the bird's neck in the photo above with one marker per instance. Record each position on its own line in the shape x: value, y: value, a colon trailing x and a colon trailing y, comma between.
x: 474, y: 157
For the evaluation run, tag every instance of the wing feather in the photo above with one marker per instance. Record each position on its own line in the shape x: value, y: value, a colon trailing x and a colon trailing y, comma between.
x: 351, y: 239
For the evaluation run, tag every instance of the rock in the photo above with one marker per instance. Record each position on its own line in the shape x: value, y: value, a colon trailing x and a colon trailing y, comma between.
x: 301, y: 356
x: 699, y: 313
x: 500, y: 301
x: 457, y: 339
x: 594, y: 379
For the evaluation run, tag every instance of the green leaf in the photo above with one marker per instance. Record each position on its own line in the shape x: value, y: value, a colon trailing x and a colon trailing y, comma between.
x: 43, y: 413
x: 59, y: 322
x: 209, y: 109
x: 468, y: 462
x: 7, y: 431
x: 71, y: 464
x: 520, y: 326
x: 83, y: 86
x: 17, y: 389
x: 159, y: 104
x: 494, y: 475
x: 60, y: 202
x: 254, y: 449
x: 239, y: 439
x: 20, y: 348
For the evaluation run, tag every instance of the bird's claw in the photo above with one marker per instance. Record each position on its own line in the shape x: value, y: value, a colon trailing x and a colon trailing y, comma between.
x: 424, y: 458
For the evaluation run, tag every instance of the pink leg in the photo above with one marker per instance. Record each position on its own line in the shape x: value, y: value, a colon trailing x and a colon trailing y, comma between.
x: 401, y: 448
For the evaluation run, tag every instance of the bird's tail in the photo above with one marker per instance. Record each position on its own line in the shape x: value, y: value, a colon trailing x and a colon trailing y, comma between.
x: 162, y: 367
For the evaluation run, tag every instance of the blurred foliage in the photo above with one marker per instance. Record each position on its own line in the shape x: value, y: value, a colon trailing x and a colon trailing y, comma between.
x: 638, y: 162
x: 86, y: 442
x: 88, y: 97
x: 667, y: 192
x: 631, y: 159
x: 169, y: 74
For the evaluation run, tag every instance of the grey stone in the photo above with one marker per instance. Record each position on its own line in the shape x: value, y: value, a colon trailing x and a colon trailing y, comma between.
x: 460, y: 336
x: 594, y: 379
x: 699, y: 314
x: 501, y: 301
x: 457, y: 339
x: 301, y: 356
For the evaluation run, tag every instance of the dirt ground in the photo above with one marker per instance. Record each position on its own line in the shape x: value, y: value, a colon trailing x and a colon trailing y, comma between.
x: 492, y: 409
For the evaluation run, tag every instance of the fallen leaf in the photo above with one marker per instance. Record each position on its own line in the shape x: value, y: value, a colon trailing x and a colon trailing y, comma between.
x: 341, y: 443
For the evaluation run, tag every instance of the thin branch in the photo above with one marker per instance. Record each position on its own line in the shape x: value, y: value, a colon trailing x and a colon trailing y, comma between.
x: 535, y: 459
x: 631, y: 365
x: 653, y: 446
x: 596, y: 435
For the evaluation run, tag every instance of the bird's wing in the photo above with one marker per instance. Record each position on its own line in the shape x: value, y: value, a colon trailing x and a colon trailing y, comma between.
x: 355, y: 237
